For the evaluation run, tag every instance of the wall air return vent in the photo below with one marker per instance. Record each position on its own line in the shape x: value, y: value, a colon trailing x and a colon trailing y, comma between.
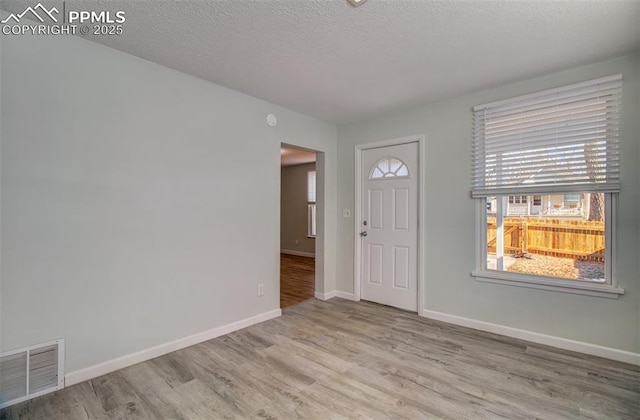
x: 31, y: 371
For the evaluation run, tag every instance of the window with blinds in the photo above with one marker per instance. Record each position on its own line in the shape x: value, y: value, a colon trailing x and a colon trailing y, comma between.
x: 311, y: 186
x: 545, y: 171
x: 558, y: 140
x: 311, y: 206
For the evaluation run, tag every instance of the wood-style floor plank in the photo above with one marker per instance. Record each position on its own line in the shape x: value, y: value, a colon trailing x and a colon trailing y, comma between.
x: 297, y: 279
x: 353, y: 360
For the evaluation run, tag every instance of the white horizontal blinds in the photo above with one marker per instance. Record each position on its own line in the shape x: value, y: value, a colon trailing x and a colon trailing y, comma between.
x: 311, y: 186
x: 563, y: 139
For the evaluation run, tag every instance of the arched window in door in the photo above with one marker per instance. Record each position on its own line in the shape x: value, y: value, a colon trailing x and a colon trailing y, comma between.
x: 389, y: 167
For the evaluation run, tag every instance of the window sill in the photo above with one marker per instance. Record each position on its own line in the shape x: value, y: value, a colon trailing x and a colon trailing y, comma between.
x: 548, y: 283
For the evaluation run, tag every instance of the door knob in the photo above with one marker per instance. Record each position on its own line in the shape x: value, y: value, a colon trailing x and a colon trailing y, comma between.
x: 363, y: 233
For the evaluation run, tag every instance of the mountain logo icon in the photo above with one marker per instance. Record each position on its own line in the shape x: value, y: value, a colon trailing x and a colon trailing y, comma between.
x: 34, y: 12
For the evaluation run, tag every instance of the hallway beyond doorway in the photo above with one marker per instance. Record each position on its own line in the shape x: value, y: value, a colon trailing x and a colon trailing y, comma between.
x: 297, y: 279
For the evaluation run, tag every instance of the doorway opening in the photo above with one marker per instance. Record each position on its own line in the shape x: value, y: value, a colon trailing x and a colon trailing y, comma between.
x: 298, y: 224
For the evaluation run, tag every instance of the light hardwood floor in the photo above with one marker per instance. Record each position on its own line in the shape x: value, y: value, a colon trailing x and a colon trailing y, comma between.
x: 341, y: 359
x: 297, y: 279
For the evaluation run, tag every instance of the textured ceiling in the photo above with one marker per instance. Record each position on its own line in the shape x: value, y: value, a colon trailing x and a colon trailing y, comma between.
x: 342, y: 64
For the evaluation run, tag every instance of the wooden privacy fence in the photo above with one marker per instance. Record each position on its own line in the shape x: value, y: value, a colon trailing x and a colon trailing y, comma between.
x: 578, y: 239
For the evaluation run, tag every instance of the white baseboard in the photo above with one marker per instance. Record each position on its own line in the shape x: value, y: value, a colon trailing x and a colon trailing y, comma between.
x: 549, y: 340
x: 345, y: 295
x: 109, y: 366
x: 325, y: 296
x: 298, y: 253
x: 334, y: 293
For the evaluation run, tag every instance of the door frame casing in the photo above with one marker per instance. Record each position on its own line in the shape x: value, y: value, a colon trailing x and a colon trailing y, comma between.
x: 357, y: 269
x: 320, y: 272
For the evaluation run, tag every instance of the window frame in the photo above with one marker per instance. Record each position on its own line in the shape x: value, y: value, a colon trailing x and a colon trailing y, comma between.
x: 517, y: 199
x: 389, y: 174
x: 312, y: 216
x: 536, y: 198
x: 312, y: 220
x: 609, y: 289
x: 559, y: 140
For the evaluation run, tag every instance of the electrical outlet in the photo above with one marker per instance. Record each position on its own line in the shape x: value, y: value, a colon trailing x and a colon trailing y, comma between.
x: 260, y: 289
x: 346, y: 212
x: 297, y: 241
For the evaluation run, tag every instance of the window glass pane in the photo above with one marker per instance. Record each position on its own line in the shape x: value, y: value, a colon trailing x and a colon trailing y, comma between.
x: 553, y: 239
x: 311, y: 223
x: 388, y: 167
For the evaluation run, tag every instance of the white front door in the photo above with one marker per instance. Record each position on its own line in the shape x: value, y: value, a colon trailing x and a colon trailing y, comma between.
x: 389, y: 225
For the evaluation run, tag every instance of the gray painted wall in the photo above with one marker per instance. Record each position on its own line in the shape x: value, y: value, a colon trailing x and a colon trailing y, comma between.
x: 129, y: 195
x: 139, y: 205
x: 293, y: 209
x: 450, y: 225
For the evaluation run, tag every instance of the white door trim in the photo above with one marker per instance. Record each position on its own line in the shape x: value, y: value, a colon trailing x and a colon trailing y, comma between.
x: 321, y: 273
x: 357, y: 272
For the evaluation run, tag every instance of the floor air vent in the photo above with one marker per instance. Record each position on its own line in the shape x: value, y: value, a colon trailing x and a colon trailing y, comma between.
x: 31, y: 371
